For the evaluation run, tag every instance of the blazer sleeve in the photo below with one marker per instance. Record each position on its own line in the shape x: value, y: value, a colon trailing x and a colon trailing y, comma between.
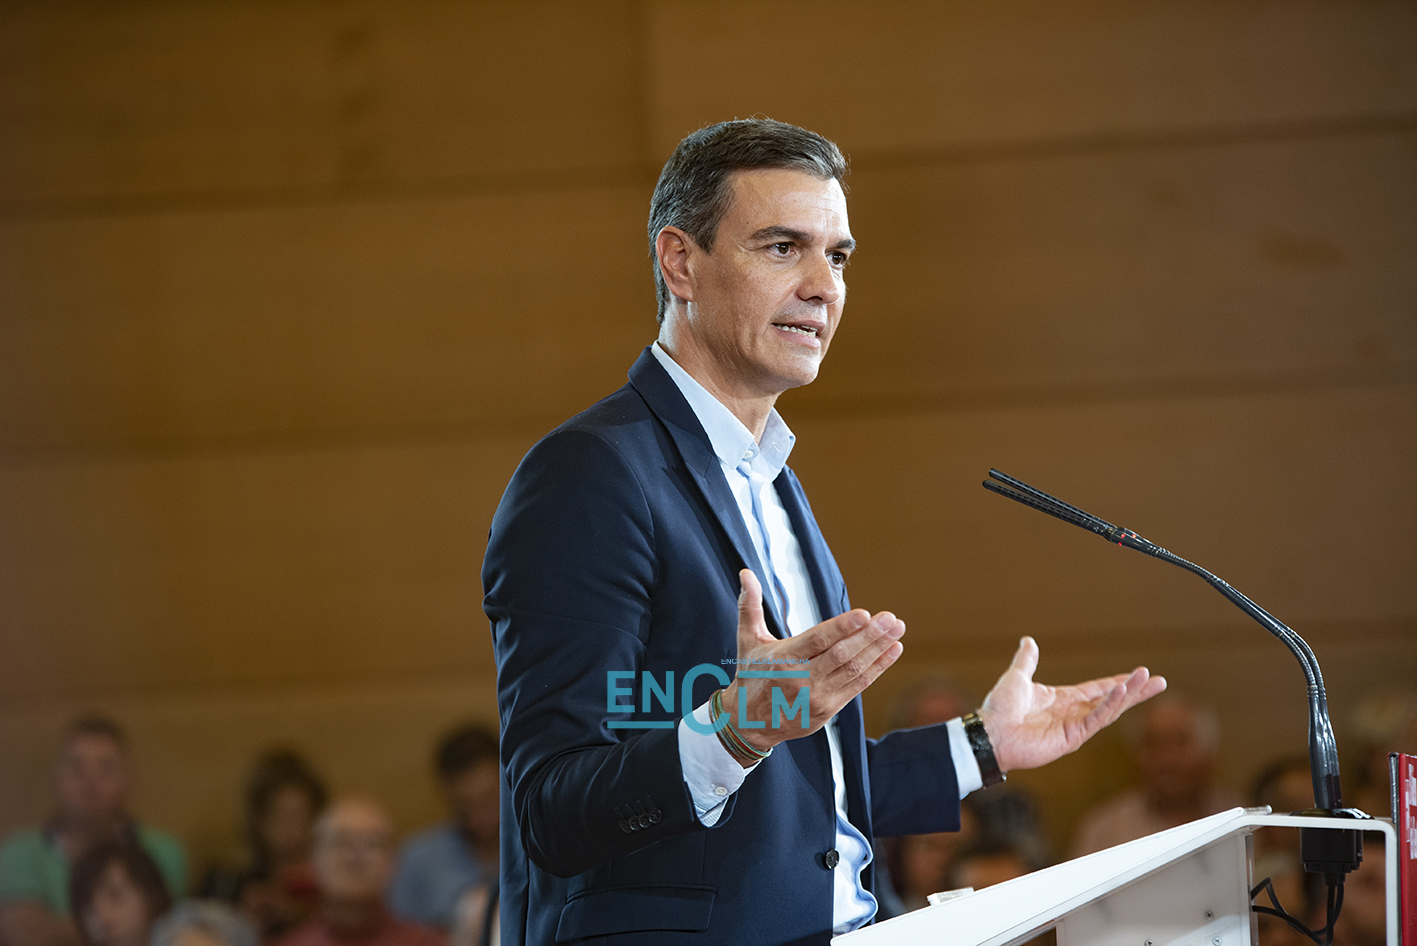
x: 568, y: 577
x: 914, y: 789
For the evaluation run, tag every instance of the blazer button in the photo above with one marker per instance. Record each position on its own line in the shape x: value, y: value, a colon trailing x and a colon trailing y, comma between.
x: 830, y: 859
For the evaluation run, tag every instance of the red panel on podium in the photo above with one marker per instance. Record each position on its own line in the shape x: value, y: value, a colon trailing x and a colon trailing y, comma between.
x: 1404, y: 819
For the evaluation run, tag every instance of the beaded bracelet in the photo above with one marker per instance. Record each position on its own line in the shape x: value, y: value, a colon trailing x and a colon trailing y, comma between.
x: 736, y: 745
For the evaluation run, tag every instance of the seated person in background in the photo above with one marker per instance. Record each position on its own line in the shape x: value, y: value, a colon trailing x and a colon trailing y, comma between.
x: 204, y: 923
x: 438, y: 865
x: 925, y: 702
x: 117, y: 893
x: 990, y: 859
x: 1381, y: 725
x: 276, y: 887
x: 477, y: 920
x: 92, y: 794
x: 353, y: 863
x: 1286, y: 786
x: 930, y: 700
x: 921, y: 864
x: 1175, y: 752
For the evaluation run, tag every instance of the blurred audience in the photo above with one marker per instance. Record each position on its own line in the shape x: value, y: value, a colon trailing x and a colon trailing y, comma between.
x: 1381, y: 725
x: 91, y: 794
x: 353, y: 865
x: 204, y: 923
x: 438, y: 866
x: 477, y: 921
x: 908, y: 869
x: 989, y: 859
x: 921, y: 864
x: 1363, y: 919
x: 276, y: 886
x: 92, y: 876
x: 930, y: 700
x: 116, y: 894
x: 1286, y: 786
x: 914, y: 867
x: 1010, y: 815
x: 1175, y: 751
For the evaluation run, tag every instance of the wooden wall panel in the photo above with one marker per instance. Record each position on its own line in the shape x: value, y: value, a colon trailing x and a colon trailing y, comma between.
x: 139, y: 574
x: 376, y: 315
x: 1065, y: 271
x: 906, y: 76
x: 212, y: 99
x: 1150, y: 267
x: 287, y: 288
x: 1298, y: 499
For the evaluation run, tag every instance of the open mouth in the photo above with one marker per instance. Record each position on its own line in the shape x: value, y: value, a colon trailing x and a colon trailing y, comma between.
x: 807, y: 330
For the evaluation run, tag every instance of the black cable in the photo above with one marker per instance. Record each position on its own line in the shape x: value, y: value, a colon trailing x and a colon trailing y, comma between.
x: 1323, y: 937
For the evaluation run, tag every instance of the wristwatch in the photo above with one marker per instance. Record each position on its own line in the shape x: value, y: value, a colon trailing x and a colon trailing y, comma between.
x: 983, y: 750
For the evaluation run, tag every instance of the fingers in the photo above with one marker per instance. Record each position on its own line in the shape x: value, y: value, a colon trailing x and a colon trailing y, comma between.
x: 1126, y: 692
x: 1025, y: 658
x: 854, y: 658
x: 881, y: 664
x: 822, y: 638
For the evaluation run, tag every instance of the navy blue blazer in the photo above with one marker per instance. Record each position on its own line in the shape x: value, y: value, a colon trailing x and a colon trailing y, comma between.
x: 616, y: 547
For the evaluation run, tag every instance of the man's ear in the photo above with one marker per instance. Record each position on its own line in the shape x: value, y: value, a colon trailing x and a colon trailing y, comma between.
x: 674, y: 247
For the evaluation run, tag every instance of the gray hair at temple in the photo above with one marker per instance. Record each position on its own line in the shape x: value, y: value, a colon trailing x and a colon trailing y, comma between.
x: 694, y: 191
x: 210, y: 919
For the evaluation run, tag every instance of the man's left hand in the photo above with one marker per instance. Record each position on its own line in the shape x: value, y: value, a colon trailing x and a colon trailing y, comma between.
x: 1031, y: 724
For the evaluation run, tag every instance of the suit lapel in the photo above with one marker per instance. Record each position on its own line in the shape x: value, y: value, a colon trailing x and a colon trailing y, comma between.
x: 827, y: 583
x: 830, y: 589
x: 664, y: 398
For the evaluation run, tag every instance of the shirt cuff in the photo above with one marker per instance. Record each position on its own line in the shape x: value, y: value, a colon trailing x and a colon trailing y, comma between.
x: 966, y: 766
x: 710, y: 773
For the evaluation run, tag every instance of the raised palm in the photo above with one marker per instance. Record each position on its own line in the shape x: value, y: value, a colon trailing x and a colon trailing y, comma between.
x: 1031, y: 724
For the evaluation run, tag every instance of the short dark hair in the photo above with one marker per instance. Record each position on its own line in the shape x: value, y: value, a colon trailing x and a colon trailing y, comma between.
x: 275, y: 770
x: 694, y: 190
x: 100, y: 726
x: 463, y: 748
x: 135, y: 862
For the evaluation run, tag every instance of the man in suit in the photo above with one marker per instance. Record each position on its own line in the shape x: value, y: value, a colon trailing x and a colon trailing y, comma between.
x: 661, y: 532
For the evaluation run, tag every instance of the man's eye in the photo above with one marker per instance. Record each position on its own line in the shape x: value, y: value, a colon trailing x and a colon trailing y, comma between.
x: 840, y: 259
x: 782, y: 249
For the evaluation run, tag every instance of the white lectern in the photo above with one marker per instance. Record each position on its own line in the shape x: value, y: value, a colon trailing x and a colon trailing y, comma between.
x: 1189, y: 886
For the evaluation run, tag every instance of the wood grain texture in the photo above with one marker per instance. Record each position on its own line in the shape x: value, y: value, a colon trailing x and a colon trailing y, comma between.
x: 287, y: 288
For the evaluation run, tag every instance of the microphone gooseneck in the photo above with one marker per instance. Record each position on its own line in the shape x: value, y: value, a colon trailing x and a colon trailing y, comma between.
x: 1323, y: 749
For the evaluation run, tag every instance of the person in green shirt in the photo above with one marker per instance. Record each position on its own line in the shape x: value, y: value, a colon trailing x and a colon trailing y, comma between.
x: 92, y: 792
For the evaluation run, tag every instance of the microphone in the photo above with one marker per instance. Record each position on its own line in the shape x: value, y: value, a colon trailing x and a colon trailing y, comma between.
x: 1331, y: 856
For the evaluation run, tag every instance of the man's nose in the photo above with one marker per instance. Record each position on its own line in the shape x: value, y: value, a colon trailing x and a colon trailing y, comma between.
x: 821, y: 282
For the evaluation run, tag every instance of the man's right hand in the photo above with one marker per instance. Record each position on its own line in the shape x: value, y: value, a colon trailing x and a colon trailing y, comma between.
x: 844, y: 655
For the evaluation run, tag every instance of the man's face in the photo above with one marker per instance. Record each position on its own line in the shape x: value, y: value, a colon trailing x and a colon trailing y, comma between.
x: 767, y: 300
x: 92, y: 779
x: 1176, y: 762
x: 353, y: 854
